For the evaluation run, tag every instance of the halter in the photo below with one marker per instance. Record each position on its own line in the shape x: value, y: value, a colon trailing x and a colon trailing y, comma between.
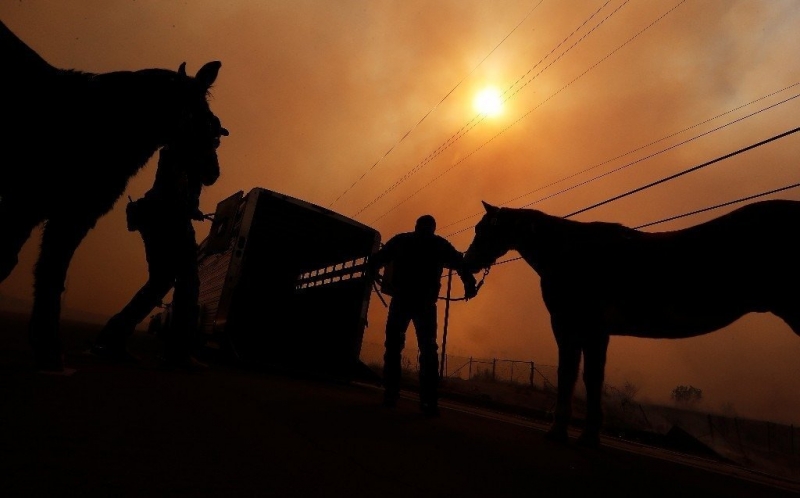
x: 477, y: 287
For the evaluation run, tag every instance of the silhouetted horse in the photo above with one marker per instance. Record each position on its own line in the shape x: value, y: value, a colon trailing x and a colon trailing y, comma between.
x: 71, y: 140
x: 602, y: 279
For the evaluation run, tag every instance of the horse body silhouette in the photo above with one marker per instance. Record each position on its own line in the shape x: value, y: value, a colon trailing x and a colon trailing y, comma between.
x: 603, y: 279
x: 71, y: 142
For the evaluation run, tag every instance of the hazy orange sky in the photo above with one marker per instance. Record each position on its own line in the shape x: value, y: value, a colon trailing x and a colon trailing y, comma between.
x: 319, y: 96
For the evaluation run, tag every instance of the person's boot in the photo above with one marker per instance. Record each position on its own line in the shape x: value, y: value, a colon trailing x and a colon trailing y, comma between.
x: 111, y: 345
x: 48, y: 360
x: 113, y: 352
x: 430, y: 409
x: 183, y: 361
x: 390, y: 398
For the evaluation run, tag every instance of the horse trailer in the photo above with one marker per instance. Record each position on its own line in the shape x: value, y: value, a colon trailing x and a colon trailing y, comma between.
x: 282, y: 284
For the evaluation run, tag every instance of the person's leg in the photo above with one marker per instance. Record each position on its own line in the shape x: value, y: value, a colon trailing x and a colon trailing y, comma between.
x: 425, y: 325
x: 396, y: 326
x: 111, y: 341
x: 181, y: 341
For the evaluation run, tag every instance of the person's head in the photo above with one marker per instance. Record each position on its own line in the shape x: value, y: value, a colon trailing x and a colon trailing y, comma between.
x: 425, y: 224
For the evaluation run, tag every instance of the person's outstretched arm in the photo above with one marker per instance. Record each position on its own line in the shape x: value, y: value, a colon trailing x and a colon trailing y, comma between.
x: 456, y: 263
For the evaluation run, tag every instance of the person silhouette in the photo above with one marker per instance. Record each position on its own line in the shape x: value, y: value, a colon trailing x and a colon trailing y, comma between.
x: 415, y: 260
x: 163, y: 217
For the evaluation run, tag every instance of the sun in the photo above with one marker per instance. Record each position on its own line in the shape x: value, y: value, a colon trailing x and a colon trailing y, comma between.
x: 489, y: 102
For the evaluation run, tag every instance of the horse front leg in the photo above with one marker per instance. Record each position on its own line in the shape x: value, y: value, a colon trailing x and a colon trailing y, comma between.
x: 569, y: 356
x: 594, y: 363
x: 60, y: 238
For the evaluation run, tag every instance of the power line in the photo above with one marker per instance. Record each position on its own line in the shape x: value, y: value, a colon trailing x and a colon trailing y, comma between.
x: 585, y: 35
x: 691, y: 213
x: 650, y: 156
x: 684, y: 172
x: 437, y: 104
x: 586, y: 170
x: 460, y: 161
x: 663, y: 179
x: 478, y: 118
x: 724, y: 204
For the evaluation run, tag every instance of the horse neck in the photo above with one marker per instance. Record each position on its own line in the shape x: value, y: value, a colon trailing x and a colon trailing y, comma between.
x: 131, y: 117
x: 141, y: 102
x: 537, y: 238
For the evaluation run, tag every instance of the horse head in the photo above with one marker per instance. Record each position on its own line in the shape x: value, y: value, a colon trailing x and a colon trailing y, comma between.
x: 197, y: 149
x: 492, y: 240
x: 191, y: 128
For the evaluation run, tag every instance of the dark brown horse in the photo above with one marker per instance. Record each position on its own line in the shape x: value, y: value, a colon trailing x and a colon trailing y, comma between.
x: 602, y: 279
x: 71, y: 140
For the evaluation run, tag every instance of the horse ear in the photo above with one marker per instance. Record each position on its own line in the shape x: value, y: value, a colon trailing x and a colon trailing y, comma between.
x: 182, y: 69
x: 208, y: 73
x: 489, y: 208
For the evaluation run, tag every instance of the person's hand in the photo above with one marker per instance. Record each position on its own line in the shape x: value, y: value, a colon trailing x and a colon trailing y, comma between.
x: 470, y: 291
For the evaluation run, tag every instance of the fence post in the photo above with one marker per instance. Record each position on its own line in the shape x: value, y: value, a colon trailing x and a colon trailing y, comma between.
x: 494, y: 368
x: 710, y: 427
x: 512, y: 371
x: 446, y: 320
x: 739, y: 435
x: 769, y: 442
x: 531, y: 374
x: 469, y: 375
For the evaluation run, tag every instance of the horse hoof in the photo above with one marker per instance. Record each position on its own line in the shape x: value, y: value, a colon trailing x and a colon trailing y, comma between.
x: 55, y: 366
x: 557, y: 435
x: 49, y: 361
x: 588, y: 440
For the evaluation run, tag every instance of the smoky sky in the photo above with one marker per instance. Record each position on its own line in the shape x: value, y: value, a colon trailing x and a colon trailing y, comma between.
x: 366, y: 107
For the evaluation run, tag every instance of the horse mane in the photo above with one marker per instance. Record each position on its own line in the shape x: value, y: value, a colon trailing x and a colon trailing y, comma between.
x: 575, y: 229
x: 17, y: 55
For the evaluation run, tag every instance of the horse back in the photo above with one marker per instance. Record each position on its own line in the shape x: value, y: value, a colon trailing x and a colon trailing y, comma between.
x: 754, y: 246
x: 757, y: 228
x: 685, y: 282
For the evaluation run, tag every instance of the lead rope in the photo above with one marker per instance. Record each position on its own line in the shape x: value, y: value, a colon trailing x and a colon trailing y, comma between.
x: 477, y: 287
x: 443, y: 298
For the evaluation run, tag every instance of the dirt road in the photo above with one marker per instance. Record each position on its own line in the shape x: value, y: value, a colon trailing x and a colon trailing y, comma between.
x: 110, y: 430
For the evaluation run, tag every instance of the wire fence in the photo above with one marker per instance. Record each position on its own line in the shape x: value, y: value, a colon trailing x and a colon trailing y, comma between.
x: 528, y: 384
x: 519, y: 372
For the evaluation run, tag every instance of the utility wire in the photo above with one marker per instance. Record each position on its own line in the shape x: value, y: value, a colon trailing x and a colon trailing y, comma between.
x: 671, y: 177
x: 649, y: 156
x: 529, y: 112
x: 691, y: 213
x: 478, y: 118
x: 586, y: 170
x: 437, y: 104
x: 724, y: 204
x: 684, y: 172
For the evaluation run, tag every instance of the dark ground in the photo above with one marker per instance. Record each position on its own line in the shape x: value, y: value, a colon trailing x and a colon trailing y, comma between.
x: 113, y: 430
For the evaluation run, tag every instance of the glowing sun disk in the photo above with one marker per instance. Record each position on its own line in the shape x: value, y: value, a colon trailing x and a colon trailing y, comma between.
x: 489, y: 102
